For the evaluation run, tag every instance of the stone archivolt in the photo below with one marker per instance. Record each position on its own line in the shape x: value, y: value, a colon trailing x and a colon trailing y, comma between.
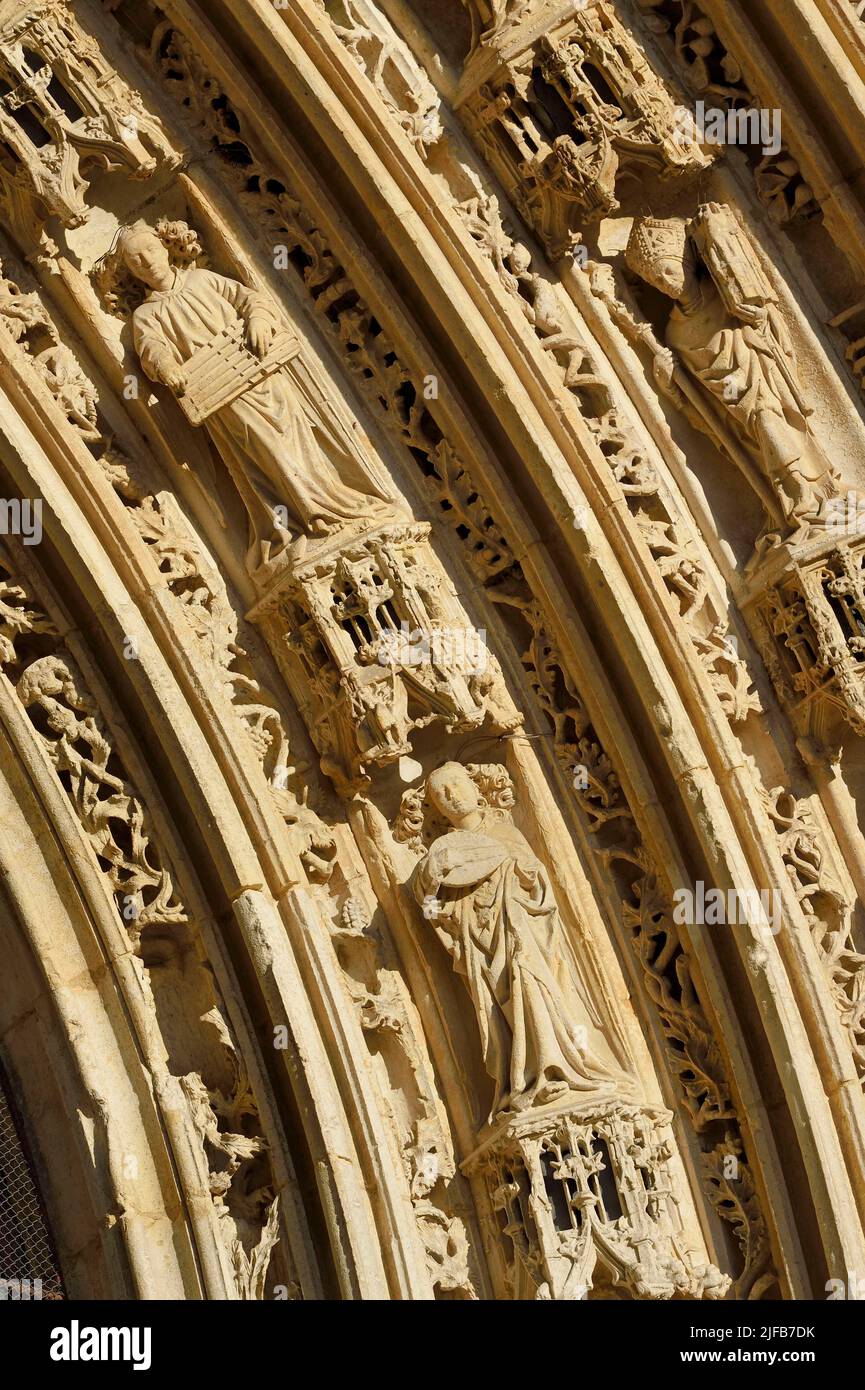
x: 467, y: 511
x: 67, y: 727
x: 433, y: 672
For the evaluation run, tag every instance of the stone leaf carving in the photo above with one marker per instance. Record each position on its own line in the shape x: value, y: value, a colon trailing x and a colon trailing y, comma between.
x: 827, y: 912
x: 80, y: 750
x: 712, y: 70
x: 117, y: 826
x: 398, y: 399
x: 390, y: 65
x: 443, y: 1235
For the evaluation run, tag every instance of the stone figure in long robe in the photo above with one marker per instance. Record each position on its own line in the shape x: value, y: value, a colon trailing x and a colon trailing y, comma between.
x: 727, y: 330
x: 491, y: 904
x: 296, y: 479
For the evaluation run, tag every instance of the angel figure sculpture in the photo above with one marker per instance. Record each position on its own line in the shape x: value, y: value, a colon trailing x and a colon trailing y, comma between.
x: 224, y: 351
x: 491, y: 903
x: 727, y: 330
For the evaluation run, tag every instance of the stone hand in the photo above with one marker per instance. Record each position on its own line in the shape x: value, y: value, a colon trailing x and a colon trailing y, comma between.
x: 664, y: 368
x: 175, y: 379
x: 259, y: 335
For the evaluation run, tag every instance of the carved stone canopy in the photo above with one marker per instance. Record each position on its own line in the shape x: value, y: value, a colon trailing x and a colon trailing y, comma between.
x: 63, y: 105
x: 562, y: 109
x: 373, y: 641
x: 808, y: 605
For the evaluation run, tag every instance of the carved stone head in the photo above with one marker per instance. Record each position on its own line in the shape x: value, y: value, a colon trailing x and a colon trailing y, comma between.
x: 453, y: 796
x: 144, y: 254
x: 140, y: 258
x: 658, y: 252
x: 453, y: 793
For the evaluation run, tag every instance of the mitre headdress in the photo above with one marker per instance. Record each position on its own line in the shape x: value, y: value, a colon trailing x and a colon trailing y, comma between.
x: 655, y: 239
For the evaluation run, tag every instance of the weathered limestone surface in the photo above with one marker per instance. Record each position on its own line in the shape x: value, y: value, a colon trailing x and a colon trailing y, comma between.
x: 432, y: 645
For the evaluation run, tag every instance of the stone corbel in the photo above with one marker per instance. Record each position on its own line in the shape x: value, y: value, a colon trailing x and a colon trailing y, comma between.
x: 374, y: 645
x: 586, y: 1198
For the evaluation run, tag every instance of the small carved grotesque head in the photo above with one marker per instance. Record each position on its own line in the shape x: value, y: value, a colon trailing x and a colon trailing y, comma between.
x: 658, y: 252
x: 452, y: 792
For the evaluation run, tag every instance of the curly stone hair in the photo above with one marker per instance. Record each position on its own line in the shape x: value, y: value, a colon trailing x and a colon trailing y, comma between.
x: 118, y: 290
x: 417, y: 822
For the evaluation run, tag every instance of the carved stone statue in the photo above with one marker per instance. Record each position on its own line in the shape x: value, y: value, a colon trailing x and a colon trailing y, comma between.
x: 492, y: 906
x: 727, y: 330
x: 296, y: 479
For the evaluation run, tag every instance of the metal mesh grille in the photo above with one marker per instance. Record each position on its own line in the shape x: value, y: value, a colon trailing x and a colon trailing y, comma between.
x: 26, y: 1250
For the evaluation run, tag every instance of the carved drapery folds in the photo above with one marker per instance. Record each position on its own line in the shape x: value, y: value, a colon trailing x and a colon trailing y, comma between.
x: 563, y: 115
x: 354, y: 599
x: 730, y: 360
x: 198, y: 589
x: 493, y: 908
x: 62, y: 106
x: 398, y: 400
x: 493, y: 18
x: 225, y: 352
x: 578, y: 1176
x: 358, y: 612
x: 657, y: 518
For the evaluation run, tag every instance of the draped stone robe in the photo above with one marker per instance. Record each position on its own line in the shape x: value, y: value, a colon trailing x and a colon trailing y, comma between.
x: 499, y: 920
x: 749, y: 369
x: 278, y: 453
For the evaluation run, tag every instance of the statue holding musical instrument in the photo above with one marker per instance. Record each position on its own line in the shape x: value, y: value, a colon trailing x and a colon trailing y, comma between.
x: 224, y: 351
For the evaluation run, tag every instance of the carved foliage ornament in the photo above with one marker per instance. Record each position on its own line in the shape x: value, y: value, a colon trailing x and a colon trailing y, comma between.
x: 41, y: 674
x: 712, y: 70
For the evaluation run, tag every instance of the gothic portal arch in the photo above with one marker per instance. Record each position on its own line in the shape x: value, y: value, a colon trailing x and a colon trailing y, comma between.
x: 431, y: 622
